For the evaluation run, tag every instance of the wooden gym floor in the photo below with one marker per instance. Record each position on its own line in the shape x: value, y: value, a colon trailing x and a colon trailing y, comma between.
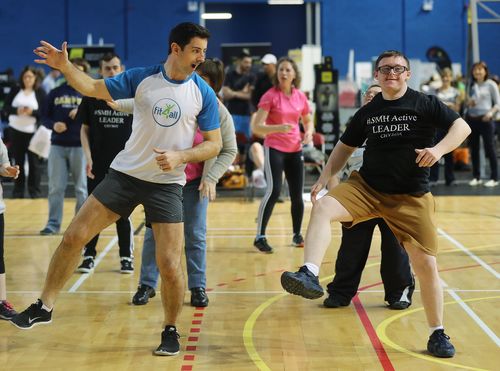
x: 251, y: 323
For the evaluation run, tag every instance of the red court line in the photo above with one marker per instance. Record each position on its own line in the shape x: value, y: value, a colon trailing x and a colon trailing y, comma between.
x: 372, y: 334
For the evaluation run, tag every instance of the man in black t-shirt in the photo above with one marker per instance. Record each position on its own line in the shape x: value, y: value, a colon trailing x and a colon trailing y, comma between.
x: 103, y: 134
x: 399, y: 126
x: 237, y: 92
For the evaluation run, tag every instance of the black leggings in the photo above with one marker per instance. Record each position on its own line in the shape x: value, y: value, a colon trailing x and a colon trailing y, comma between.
x: 2, y: 262
x: 293, y: 165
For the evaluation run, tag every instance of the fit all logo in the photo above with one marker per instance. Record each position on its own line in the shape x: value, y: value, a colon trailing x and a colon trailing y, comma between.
x: 166, y: 112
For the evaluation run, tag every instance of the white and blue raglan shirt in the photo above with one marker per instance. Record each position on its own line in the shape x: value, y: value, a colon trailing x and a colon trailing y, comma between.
x: 166, y: 115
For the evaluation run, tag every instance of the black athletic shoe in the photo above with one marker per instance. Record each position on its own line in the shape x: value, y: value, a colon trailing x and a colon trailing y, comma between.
x: 34, y: 315
x: 6, y: 310
x: 87, y: 265
x: 262, y: 245
x: 127, y: 265
x: 199, y: 297
x: 47, y: 232
x: 169, y: 342
x: 298, y: 240
x: 399, y: 305
x: 333, y: 301
x: 302, y: 283
x: 439, y: 345
x: 143, y: 294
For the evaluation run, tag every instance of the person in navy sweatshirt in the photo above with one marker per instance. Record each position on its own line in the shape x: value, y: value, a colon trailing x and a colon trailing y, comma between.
x: 66, y: 154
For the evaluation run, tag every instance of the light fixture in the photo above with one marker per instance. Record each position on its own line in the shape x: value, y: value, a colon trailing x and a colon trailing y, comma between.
x: 216, y: 16
x: 285, y: 2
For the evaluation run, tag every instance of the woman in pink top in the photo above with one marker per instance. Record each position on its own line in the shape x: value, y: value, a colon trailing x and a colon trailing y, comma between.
x: 277, y: 119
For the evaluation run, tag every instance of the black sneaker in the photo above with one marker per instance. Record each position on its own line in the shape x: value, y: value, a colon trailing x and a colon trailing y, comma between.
x: 127, y: 265
x: 87, y: 265
x: 6, y: 310
x: 144, y: 292
x: 298, y: 240
x: 399, y: 305
x: 47, y: 232
x: 169, y: 342
x: 262, y: 245
x: 439, y: 345
x: 332, y: 301
x: 34, y: 315
x: 302, y: 283
x: 199, y: 297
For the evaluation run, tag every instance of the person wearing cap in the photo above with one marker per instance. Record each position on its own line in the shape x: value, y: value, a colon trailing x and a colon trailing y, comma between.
x: 264, y: 80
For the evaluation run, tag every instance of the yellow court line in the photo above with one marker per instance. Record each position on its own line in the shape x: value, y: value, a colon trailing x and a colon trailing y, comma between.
x: 382, y: 327
x: 250, y: 324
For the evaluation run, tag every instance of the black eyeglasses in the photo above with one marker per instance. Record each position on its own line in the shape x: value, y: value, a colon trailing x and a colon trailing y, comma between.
x: 396, y: 69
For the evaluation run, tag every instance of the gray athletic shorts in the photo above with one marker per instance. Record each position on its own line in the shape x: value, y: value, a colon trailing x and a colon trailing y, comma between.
x: 121, y: 193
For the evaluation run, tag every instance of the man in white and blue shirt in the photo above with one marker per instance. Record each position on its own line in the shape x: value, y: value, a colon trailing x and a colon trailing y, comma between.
x: 170, y: 101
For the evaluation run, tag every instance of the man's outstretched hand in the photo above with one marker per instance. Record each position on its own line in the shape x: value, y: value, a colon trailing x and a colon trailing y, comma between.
x: 51, y: 56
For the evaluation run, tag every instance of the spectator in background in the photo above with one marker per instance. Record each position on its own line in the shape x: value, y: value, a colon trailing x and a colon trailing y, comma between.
x: 237, y: 92
x: 103, y: 134
x: 280, y: 110
x: 199, y: 189
x: 264, y: 80
x: 6, y: 309
x: 482, y: 105
x: 52, y: 80
x: 450, y: 96
x: 23, y: 107
x: 66, y: 154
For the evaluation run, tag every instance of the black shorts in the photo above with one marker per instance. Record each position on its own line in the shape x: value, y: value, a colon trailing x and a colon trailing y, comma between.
x: 121, y: 193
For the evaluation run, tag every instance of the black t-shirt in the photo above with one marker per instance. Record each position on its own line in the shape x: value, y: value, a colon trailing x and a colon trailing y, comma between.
x: 393, y: 130
x: 262, y: 84
x: 237, y: 82
x: 108, y: 131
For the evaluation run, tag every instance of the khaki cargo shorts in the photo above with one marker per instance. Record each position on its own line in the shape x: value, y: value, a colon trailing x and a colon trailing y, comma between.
x: 411, y: 218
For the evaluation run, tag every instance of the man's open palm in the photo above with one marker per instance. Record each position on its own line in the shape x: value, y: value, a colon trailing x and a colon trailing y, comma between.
x: 52, y: 56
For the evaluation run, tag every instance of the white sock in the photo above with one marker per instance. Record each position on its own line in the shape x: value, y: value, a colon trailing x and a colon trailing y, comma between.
x: 46, y: 308
x: 432, y: 329
x: 313, y: 268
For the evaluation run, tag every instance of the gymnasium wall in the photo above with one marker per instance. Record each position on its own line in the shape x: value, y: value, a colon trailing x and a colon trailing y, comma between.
x: 139, y: 28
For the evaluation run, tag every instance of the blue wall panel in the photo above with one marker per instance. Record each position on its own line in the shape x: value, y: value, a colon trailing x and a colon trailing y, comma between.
x: 283, y: 26
x: 139, y: 28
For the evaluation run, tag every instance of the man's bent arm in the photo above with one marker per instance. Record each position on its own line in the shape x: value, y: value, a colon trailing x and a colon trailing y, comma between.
x: 457, y: 133
x: 337, y: 160
x: 210, y: 147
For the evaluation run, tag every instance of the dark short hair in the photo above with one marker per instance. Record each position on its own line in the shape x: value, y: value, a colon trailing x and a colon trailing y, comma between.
x: 214, y: 70
x: 243, y: 55
x: 298, y: 78
x: 107, y: 57
x: 392, y: 53
x: 184, y: 32
x: 35, y: 72
x: 483, y: 65
x: 82, y: 63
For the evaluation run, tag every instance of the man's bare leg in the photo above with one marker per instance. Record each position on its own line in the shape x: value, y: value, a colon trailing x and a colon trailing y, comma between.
x: 305, y: 282
x: 91, y: 219
x: 431, y: 292
x: 169, y: 239
x: 319, y: 230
